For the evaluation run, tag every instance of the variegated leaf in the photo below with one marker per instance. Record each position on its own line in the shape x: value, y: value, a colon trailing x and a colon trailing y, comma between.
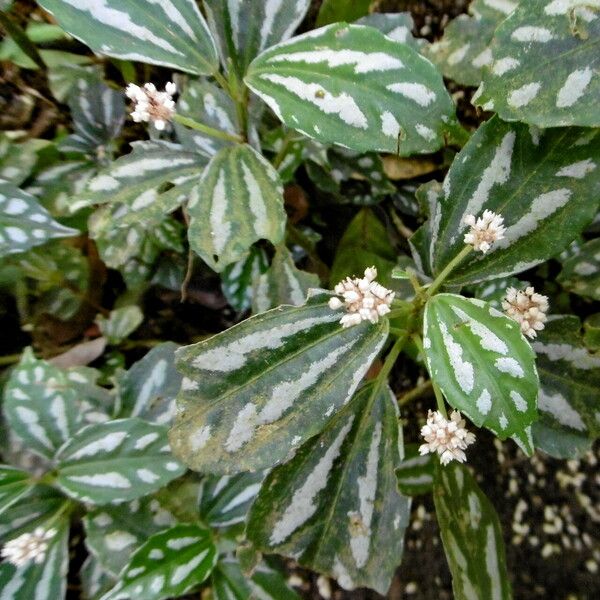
x: 168, y: 565
x: 555, y: 37
x: 225, y: 500
x: 95, y: 579
x: 170, y: 33
x: 245, y: 28
x: 24, y: 223
x: 545, y: 184
x: 120, y: 323
x: 351, y: 85
x: 464, y: 50
x: 238, y: 201
x: 415, y: 472
x: 238, y: 279
x: 116, y: 461
x: 41, y: 406
x: 396, y: 26
x: 591, y: 332
x: 335, y: 507
x: 494, y: 291
x: 581, y: 273
x: 471, y: 534
x: 283, y: 283
x: 569, y: 389
x: 482, y: 363
x: 114, y: 533
x: 18, y: 159
x: 253, y: 393
x: 14, y: 484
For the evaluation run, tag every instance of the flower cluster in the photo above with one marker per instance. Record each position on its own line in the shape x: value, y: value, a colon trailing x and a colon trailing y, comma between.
x: 448, y: 438
x: 485, y: 230
x: 527, y: 308
x: 28, y: 547
x: 364, y: 299
x: 152, y: 105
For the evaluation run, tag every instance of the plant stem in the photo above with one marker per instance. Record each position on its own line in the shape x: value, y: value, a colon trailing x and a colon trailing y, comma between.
x: 415, y: 393
x: 285, y: 143
x: 447, y: 270
x: 9, y: 359
x: 439, y: 398
x: 390, y: 359
x: 222, y: 81
x: 217, y: 133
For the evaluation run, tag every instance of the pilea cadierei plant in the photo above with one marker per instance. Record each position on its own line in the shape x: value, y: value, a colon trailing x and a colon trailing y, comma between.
x: 287, y: 421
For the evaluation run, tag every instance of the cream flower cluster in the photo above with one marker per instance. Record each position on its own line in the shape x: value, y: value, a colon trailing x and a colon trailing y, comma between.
x: 447, y: 437
x: 364, y: 299
x: 28, y: 547
x: 152, y: 105
x: 485, y: 230
x: 527, y: 308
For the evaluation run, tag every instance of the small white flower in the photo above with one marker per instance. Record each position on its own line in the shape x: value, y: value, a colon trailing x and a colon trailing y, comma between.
x: 152, y: 105
x: 527, y: 308
x: 448, y: 438
x: 484, y: 231
x: 28, y: 547
x: 364, y: 299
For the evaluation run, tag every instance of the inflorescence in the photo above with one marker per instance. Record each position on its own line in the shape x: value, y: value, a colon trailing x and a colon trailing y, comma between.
x: 152, y: 105
x: 31, y: 546
x: 484, y: 231
x: 527, y: 308
x: 448, y: 437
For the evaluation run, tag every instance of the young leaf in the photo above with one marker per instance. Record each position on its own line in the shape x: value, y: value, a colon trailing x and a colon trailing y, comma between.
x: 559, y: 38
x: 169, y: 33
x: 569, y: 389
x: 238, y: 279
x: 283, y: 283
x: 471, y: 534
x: 14, y: 484
x: 351, y: 85
x: 581, y: 272
x: 256, y: 391
x: 247, y: 27
x: 113, y: 533
x: 541, y: 182
x: 482, y: 363
x: 168, y: 565
x: 335, y: 507
x: 415, y: 473
x: 238, y: 201
x: 24, y: 223
x: 396, y: 26
x: 41, y: 406
x: 116, y: 461
x: 120, y: 323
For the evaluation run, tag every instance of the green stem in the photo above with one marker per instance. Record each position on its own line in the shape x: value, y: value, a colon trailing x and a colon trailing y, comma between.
x: 415, y: 393
x: 285, y: 144
x: 217, y: 133
x: 439, y: 398
x: 390, y: 359
x: 399, y: 312
x: 222, y: 82
x: 9, y: 359
x: 414, y: 282
x: 432, y: 289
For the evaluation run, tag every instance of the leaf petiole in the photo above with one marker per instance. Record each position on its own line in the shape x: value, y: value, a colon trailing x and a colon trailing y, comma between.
x: 217, y: 133
x: 437, y: 282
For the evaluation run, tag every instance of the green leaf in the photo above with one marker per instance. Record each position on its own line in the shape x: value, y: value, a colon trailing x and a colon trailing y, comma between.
x: 283, y: 283
x: 581, y: 273
x: 335, y: 507
x: 482, y: 363
x: 471, y: 534
x: 569, y: 389
x: 238, y: 201
x: 415, y: 473
x: 396, y: 26
x: 237, y: 279
x: 116, y: 461
x: 95, y: 580
x: 494, y: 291
x: 168, y: 565
x: 351, y: 85
x: 114, y: 533
x: 17, y: 160
x: 253, y: 393
x: 169, y: 33
x: 591, y: 335
x: 247, y: 27
x: 40, y: 405
x: 24, y: 223
x: 332, y: 11
x: 545, y: 184
x: 558, y: 38
x: 14, y: 484
x: 120, y: 323
x: 463, y: 52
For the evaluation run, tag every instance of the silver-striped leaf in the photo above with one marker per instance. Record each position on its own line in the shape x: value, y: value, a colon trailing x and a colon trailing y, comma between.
x: 238, y: 279
x: 114, y: 533
x: 169, y: 33
x: 464, y: 50
x: 168, y: 565
x: 581, y: 272
x: 415, y: 472
x: 17, y: 160
x: 471, y: 534
x: 283, y: 283
x: 545, y: 184
x: 116, y: 461
x: 554, y: 37
x: 254, y: 393
x: 120, y: 323
x: 351, y: 85
x: 238, y: 201
x: 482, y: 363
x: 396, y: 26
x: 14, y: 484
x: 245, y: 28
x: 569, y: 389
x: 24, y: 222
x: 335, y: 507
x: 95, y: 579
x: 41, y: 406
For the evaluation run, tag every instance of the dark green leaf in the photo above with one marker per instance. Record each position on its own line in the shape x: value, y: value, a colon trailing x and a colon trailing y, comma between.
x: 14, y: 483
x: 415, y: 473
x: 238, y: 279
x: 581, y: 272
